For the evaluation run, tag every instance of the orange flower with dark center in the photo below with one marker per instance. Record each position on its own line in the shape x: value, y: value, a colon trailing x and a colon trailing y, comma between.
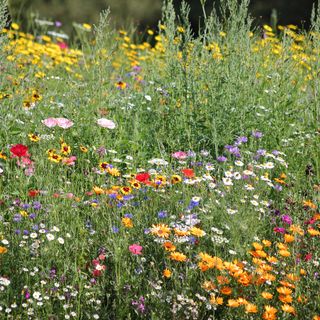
x: 169, y: 246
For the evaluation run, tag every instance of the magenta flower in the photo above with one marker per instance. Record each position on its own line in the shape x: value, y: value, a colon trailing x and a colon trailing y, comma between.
x: 280, y: 230
x: 286, y: 219
x: 135, y: 249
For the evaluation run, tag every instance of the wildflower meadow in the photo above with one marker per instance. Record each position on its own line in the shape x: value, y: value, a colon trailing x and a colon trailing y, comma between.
x: 160, y: 175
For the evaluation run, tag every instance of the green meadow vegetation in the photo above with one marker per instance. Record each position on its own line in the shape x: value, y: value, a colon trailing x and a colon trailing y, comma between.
x: 160, y: 175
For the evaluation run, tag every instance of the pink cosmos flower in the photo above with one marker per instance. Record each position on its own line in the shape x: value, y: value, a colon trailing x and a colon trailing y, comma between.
x: 106, y: 123
x: 135, y: 249
x: 69, y: 161
x: 181, y: 155
x: 50, y: 122
x: 64, y: 123
x: 61, y: 122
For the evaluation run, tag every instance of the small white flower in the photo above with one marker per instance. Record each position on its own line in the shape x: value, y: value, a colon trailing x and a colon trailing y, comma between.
x: 237, y: 176
x: 254, y: 202
x: 227, y: 181
x: 147, y: 97
x: 50, y: 236
x: 228, y: 174
x: 33, y: 235
x: 238, y: 163
x: 36, y: 295
x: 61, y: 240
x: 5, y: 241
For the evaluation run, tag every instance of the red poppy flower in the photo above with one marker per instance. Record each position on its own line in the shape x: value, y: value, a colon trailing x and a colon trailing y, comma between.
x: 33, y: 193
x: 19, y: 150
x: 143, y: 177
x: 189, y: 173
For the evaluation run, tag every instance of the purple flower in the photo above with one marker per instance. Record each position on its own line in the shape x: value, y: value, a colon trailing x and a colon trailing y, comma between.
x: 257, y: 134
x: 162, y: 214
x: 36, y: 205
x: 32, y: 215
x: 58, y: 24
x: 241, y: 140
x: 17, y: 217
x: 25, y: 206
x: 275, y: 152
x: 278, y: 187
x: 261, y: 152
x: 222, y: 159
x: 115, y: 229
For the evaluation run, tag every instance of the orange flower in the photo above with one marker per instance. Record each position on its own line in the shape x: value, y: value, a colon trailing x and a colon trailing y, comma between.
x: 233, y: 303
x: 288, y: 238
x: 216, y: 300
x: 127, y: 222
x: 209, y: 262
x: 244, y: 279
x: 226, y: 291
x: 223, y: 280
x: 197, y: 232
x: 257, y: 246
x: 167, y: 273
x: 169, y: 246
x: 316, y: 317
x: 271, y: 259
x: 270, y: 313
x: 284, y: 253
x: 177, y: 256
x: 287, y: 284
x: 313, y: 232
x: 251, y: 308
x: 181, y: 233
x: 160, y: 230
x: 267, y: 243
x: 242, y: 301
x: 208, y: 285
x: 288, y: 309
x: 296, y: 229
x: 267, y: 295
x: 284, y: 290
x: 285, y: 299
x: 3, y: 250
x: 303, y: 272
x: 310, y: 204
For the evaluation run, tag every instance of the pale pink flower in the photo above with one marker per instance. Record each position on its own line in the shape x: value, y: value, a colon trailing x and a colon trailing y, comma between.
x: 135, y: 249
x: 181, y: 155
x: 64, y: 123
x: 61, y: 122
x: 69, y: 161
x: 106, y: 123
x: 50, y: 122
